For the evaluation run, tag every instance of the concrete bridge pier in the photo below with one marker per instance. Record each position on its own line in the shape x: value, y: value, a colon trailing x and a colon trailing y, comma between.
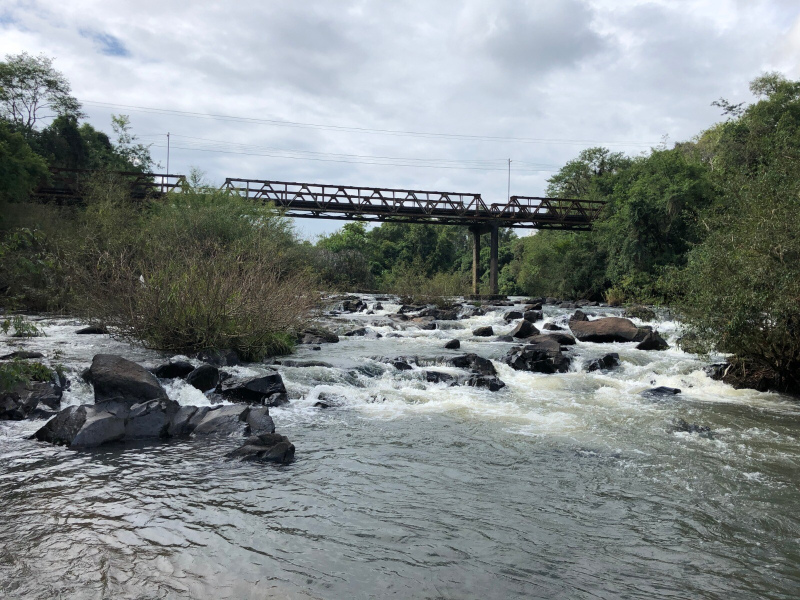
x: 478, y: 229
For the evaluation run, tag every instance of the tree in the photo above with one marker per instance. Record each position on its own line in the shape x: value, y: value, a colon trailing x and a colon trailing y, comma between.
x: 21, y: 169
x: 32, y: 90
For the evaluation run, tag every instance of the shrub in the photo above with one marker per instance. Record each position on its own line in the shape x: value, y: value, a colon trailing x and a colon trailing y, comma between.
x: 17, y: 371
x: 410, y: 282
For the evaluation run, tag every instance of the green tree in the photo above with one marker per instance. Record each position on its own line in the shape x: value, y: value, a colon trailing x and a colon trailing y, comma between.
x: 21, y: 169
x: 32, y: 90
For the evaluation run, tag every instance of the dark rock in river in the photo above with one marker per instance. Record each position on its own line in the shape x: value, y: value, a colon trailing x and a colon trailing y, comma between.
x: 552, y: 327
x: 204, y: 377
x: 701, y: 430
x: 475, y: 363
x: 22, y: 355
x: 424, y: 323
x: 317, y: 335
x: 504, y: 338
x: 439, y: 377
x: 117, y: 379
x: 524, y: 329
x: 492, y: 383
x: 92, y: 330
x: 267, y: 390
x: 290, y: 362
x: 178, y: 369
x: 661, y: 391
x: 578, y: 316
x: 512, y: 315
x: 33, y: 399
x: 533, y: 306
x: 609, y: 329
x: 652, y: 341
x: 483, y: 331
x: 353, y: 306
x: 453, y: 345
x: 150, y: 420
x: 609, y: 361
x: 533, y: 315
x: 544, y: 356
x: 219, y: 358
x: 564, y: 339
x: 266, y: 447
x: 400, y: 365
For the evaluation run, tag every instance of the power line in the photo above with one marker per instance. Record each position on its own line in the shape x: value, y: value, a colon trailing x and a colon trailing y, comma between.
x: 385, y: 164
x: 423, y: 134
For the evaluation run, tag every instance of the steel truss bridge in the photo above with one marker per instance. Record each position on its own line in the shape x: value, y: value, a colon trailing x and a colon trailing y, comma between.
x: 352, y: 203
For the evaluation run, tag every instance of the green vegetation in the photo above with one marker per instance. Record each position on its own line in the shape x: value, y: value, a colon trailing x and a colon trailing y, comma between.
x: 20, y: 327
x: 19, y: 371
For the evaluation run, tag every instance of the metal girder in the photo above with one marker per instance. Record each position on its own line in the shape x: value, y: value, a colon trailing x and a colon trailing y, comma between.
x: 321, y: 201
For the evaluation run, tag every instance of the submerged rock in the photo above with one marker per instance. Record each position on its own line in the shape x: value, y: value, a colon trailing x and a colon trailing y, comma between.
x: 701, y: 430
x: 265, y: 447
x: 661, y: 391
x: 22, y: 355
x: 92, y: 330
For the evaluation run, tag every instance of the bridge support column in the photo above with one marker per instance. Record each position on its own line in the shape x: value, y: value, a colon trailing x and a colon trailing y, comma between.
x: 476, y: 259
x: 495, y: 242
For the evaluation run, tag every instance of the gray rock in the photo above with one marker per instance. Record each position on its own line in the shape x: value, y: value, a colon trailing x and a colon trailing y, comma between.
x: 533, y: 315
x: 609, y: 329
x: 223, y: 420
x: 552, y: 327
x: 204, y: 377
x: 512, y: 315
x: 545, y: 356
x: 609, y: 361
x: 317, y: 335
x: 150, y: 420
x: 259, y: 421
x: 453, y: 345
x: 492, y: 383
x: 268, y: 390
x: 524, y: 329
x: 475, y: 363
x: 661, y: 391
x: 439, y: 377
x: 117, y: 379
x: 483, y: 331
x: 179, y: 425
x: 92, y: 330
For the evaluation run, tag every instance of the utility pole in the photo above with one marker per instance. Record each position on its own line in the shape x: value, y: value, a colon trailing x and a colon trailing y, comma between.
x: 168, y: 153
x: 509, y: 180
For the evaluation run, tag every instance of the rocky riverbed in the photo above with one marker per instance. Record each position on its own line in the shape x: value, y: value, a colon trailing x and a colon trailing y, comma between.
x: 525, y: 450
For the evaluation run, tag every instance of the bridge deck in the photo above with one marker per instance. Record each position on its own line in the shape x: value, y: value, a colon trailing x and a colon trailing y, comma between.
x: 320, y: 201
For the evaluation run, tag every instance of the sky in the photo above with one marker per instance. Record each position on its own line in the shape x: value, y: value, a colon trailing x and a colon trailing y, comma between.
x: 405, y: 94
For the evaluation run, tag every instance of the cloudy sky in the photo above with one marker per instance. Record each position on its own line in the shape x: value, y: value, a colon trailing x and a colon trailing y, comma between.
x: 406, y: 94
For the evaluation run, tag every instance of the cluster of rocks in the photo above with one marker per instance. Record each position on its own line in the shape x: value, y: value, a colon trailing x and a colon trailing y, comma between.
x: 33, y: 399
x: 131, y: 404
x: 480, y: 372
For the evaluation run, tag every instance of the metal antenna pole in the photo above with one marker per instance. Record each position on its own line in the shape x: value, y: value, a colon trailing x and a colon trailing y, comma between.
x: 509, y: 180
x: 168, y: 153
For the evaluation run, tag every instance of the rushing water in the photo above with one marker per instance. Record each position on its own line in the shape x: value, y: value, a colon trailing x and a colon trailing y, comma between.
x: 558, y: 486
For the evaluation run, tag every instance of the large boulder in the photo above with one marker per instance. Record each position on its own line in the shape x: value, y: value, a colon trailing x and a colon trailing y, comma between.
x: 265, y: 447
x: 533, y: 315
x: 224, y: 420
x: 116, y: 379
x: 150, y: 420
x: 512, y: 315
x: 544, y: 356
x: 483, y: 331
x: 267, y: 390
x: 492, y: 383
x: 608, y: 329
x: 453, y: 345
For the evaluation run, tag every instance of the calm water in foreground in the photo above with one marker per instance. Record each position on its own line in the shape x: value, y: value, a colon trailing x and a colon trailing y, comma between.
x: 558, y: 486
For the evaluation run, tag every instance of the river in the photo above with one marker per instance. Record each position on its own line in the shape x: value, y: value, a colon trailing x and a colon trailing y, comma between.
x: 557, y: 486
